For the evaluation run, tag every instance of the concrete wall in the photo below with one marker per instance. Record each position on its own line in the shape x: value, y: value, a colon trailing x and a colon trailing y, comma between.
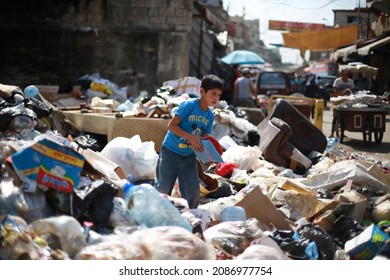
x: 50, y: 42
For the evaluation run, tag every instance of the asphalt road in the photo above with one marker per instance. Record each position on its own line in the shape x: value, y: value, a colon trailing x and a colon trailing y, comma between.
x: 354, y: 140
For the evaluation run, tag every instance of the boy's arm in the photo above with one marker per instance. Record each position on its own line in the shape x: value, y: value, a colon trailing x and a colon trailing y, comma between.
x: 194, y: 140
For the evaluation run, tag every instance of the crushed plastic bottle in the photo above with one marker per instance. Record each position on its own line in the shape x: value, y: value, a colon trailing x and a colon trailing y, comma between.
x: 147, y: 206
x: 332, y: 142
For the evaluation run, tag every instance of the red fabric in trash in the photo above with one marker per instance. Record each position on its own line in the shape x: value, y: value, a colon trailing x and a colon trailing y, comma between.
x: 225, y: 168
x: 216, y: 144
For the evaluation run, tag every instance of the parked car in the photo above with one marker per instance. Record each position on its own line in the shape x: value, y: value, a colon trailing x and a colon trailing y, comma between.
x: 271, y: 83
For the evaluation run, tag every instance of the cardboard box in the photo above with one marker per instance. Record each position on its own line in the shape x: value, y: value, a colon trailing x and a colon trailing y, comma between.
x: 367, y: 244
x: 259, y: 206
x: 49, y: 164
x: 92, y: 157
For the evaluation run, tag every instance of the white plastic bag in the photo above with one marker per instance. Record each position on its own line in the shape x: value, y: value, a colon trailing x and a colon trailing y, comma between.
x: 133, y: 156
x: 246, y: 158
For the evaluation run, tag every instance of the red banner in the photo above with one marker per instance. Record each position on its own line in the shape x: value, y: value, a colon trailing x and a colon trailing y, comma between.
x: 294, y: 26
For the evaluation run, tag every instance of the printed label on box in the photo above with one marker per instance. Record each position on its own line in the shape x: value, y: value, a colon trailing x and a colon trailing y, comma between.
x: 49, y: 164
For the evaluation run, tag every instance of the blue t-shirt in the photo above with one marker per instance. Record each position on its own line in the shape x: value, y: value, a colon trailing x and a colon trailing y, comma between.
x: 193, y: 120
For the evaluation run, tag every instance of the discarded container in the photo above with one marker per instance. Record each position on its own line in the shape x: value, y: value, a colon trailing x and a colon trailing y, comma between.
x: 147, y: 206
x: 367, y: 244
x: 332, y: 142
x: 31, y: 91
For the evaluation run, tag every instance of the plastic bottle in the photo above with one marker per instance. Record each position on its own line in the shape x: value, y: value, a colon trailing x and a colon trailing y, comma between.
x: 332, y: 142
x: 147, y: 206
x: 232, y: 213
x: 31, y: 91
x: 126, y: 106
x: 30, y: 133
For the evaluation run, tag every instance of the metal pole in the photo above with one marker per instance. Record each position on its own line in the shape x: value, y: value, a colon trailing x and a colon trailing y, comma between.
x: 359, y: 25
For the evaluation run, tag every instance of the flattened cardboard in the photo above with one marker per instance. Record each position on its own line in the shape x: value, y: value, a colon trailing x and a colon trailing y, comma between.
x: 259, y: 206
x: 92, y: 156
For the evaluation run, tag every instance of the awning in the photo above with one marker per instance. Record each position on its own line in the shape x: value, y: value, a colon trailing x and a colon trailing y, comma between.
x: 366, y: 49
x: 344, y: 52
x: 359, y: 68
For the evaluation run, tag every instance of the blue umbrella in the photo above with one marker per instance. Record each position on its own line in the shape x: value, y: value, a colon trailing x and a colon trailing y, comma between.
x: 242, y: 57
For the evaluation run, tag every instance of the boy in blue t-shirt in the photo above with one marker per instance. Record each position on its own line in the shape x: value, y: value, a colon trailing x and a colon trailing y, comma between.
x: 192, y: 122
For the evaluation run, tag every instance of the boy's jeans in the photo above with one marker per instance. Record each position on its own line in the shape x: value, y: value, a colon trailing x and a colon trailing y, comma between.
x: 172, y: 166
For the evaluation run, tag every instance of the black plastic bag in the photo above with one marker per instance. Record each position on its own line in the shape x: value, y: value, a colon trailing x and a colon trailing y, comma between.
x: 345, y: 228
x: 224, y: 189
x: 40, y: 108
x: 58, y: 201
x: 94, y: 202
x: 324, y: 241
x: 9, y: 113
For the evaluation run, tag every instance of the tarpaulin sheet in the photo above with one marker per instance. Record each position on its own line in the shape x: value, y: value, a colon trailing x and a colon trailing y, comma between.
x: 320, y: 40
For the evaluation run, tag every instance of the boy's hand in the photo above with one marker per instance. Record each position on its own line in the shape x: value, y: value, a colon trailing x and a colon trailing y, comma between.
x: 195, y: 142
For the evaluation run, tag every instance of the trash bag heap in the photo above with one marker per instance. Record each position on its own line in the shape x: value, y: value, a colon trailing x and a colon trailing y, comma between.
x: 280, y: 189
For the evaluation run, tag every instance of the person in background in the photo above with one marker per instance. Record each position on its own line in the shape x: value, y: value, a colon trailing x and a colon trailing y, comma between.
x: 343, y: 85
x: 245, y: 90
x: 312, y: 88
x: 193, y: 121
x: 293, y: 84
x: 298, y: 82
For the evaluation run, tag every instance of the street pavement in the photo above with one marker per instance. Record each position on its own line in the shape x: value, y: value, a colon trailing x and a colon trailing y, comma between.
x: 354, y: 140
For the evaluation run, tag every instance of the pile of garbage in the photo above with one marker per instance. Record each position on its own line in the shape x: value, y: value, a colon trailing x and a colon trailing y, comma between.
x: 282, y: 191
x: 361, y: 100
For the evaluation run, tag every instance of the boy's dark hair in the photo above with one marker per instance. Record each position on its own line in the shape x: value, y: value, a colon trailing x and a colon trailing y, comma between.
x: 211, y: 81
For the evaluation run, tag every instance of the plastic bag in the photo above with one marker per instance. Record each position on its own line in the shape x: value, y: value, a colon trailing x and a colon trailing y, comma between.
x: 324, y: 241
x: 232, y: 238
x: 94, y: 202
x: 224, y: 189
x: 263, y: 249
x: 159, y: 243
x: 17, y: 118
x: 61, y: 232
x: 15, y: 243
x: 245, y: 158
x: 29, y: 206
x: 149, y: 207
x: 133, y: 156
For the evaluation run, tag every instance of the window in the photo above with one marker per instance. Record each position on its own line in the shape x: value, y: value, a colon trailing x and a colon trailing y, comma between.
x: 352, y: 19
